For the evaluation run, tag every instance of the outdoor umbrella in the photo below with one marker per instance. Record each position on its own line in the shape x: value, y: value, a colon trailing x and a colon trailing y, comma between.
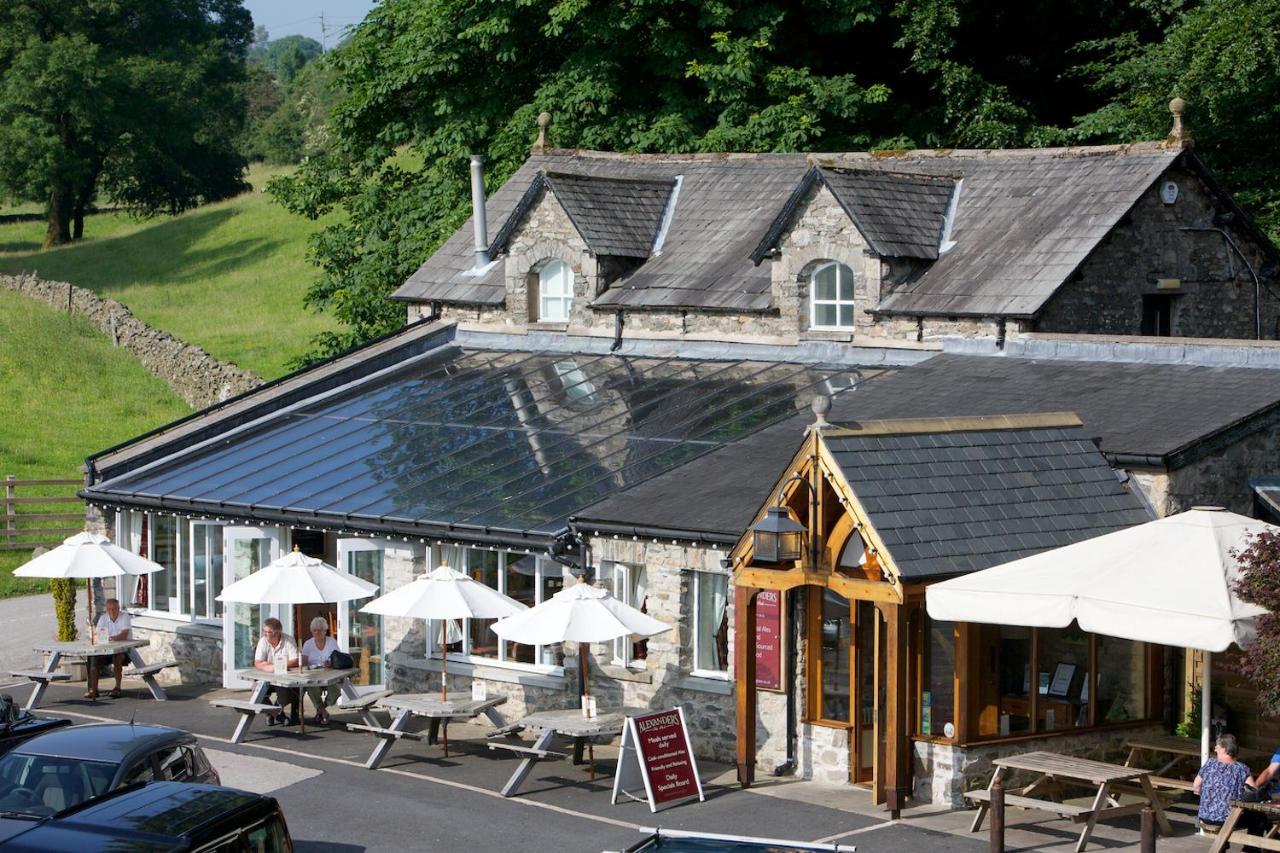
x: 1169, y: 581
x: 87, y: 555
x: 444, y: 594
x: 581, y: 614
x: 296, y: 578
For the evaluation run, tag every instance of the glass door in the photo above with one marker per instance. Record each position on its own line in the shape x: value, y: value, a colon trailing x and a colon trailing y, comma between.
x: 360, y: 634
x: 864, y: 729
x: 244, y: 551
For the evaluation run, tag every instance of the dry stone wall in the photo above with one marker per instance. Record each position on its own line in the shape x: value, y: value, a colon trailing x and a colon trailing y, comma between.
x: 194, y: 375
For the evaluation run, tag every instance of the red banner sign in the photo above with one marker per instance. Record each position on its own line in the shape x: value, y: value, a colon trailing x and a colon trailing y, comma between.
x: 661, y: 743
x: 770, y: 639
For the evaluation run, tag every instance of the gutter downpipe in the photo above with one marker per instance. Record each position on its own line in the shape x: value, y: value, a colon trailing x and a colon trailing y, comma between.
x: 618, y: 323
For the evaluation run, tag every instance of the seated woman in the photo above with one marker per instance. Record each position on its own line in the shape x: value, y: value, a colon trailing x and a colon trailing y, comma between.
x: 1220, y: 780
x: 316, y: 652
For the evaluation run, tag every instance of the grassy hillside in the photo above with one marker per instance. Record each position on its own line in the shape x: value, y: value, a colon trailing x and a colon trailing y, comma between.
x: 67, y: 393
x: 229, y: 277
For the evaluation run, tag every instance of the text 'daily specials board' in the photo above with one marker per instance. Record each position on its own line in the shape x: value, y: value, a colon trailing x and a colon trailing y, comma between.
x: 770, y: 639
x: 655, y: 752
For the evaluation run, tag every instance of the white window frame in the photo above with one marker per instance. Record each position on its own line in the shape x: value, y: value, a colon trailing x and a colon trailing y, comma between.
x: 814, y: 301
x: 213, y: 606
x: 546, y: 566
x: 181, y: 571
x: 622, y: 578
x: 726, y: 673
x: 555, y: 288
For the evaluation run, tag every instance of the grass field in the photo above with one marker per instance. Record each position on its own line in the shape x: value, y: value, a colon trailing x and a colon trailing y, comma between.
x: 66, y: 392
x: 229, y: 277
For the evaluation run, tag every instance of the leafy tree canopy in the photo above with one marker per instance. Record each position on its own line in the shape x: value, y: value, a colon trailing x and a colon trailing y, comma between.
x: 138, y: 99
x: 1260, y: 584
x: 284, y: 57
x: 426, y: 83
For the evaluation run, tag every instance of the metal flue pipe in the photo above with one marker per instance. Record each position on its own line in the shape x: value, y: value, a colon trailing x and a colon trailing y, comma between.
x: 477, y: 210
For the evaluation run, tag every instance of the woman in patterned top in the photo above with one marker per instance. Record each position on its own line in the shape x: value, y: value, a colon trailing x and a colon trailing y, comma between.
x: 1220, y: 781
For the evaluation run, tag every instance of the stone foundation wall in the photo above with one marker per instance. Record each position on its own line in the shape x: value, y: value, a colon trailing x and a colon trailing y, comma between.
x: 943, y: 773
x: 196, y: 647
x: 194, y: 375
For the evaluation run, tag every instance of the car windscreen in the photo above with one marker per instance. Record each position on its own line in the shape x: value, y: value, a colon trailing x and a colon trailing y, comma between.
x: 41, y: 785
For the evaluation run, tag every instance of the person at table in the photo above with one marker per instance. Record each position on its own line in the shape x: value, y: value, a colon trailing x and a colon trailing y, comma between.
x: 1220, y: 780
x: 275, y: 643
x: 316, y: 652
x: 115, y: 623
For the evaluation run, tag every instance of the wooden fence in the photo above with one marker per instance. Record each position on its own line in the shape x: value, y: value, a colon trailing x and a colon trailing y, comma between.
x: 36, y: 519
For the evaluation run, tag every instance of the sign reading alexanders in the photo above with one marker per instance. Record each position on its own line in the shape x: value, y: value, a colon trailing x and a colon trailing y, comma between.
x: 655, y: 751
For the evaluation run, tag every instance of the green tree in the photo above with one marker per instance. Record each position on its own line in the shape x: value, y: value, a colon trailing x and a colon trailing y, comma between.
x: 1260, y: 584
x: 1223, y: 58
x: 139, y: 100
x: 64, y: 607
x: 285, y: 57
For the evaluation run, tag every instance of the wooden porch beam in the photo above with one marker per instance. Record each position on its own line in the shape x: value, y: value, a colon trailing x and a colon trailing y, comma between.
x: 744, y: 668
x: 897, y: 743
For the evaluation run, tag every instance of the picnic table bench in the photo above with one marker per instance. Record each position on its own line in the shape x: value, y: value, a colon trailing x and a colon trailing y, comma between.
x: 406, y: 706
x: 293, y: 680
x: 1175, y: 750
x: 83, y: 649
x: 568, y: 724
x: 1228, y: 832
x: 1107, y: 781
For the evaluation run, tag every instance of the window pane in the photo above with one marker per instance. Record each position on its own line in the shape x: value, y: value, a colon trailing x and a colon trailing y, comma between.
x: 483, y: 566
x: 835, y: 657
x: 846, y: 283
x: 522, y: 580
x: 364, y: 630
x: 1064, y: 676
x: 846, y: 316
x: 824, y: 283
x: 937, y: 704
x: 199, y: 569
x: 164, y: 550
x: 1011, y: 653
x: 711, y: 622
x: 1122, y: 680
x: 824, y: 315
x: 554, y: 577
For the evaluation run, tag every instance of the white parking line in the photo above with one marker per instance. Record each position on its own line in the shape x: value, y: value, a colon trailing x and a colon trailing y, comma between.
x: 419, y: 776
x: 14, y: 684
x: 828, y: 839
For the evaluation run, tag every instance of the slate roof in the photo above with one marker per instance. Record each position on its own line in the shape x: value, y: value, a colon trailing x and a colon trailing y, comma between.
x: 1163, y: 414
x: 614, y: 216
x: 953, y: 501
x: 1024, y: 221
x: 899, y: 215
x: 1139, y: 410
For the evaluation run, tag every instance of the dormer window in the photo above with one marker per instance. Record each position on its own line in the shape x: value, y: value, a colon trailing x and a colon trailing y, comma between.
x: 555, y: 292
x: 831, y: 297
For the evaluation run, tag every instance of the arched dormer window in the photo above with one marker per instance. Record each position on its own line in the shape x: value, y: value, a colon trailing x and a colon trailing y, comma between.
x: 831, y: 297
x: 555, y: 292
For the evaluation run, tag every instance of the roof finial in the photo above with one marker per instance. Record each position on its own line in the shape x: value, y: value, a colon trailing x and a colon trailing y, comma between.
x: 820, y: 405
x: 544, y: 122
x: 1178, y: 135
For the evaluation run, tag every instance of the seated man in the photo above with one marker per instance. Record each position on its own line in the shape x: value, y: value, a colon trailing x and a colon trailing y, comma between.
x: 118, y: 627
x: 276, y: 643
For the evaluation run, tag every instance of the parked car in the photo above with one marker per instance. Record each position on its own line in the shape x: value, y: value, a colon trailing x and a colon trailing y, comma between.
x: 158, y: 817
x: 64, y: 768
x: 17, y: 725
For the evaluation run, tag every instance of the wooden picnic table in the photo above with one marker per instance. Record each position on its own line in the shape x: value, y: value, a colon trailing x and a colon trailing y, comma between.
x: 405, y: 706
x: 568, y: 724
x: 293, y: 680
x: 1228, y: 833
x: 84, y: 649
x: 1107, y: 780
x: 1176, y: 750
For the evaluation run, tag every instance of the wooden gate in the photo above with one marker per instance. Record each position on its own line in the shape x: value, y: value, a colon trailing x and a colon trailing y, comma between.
x: 32, y: 517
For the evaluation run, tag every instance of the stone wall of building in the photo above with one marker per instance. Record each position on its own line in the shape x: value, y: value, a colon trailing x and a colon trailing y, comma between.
x: 194, y: 375
x: 943, y: 773
x: 1216, y: 296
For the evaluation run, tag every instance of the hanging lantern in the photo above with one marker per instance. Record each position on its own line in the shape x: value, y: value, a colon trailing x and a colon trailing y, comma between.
x: 777, y: 538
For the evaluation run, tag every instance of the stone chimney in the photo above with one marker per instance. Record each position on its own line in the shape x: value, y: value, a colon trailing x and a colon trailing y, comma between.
x: 1179, y: 136
x: 542, y: 143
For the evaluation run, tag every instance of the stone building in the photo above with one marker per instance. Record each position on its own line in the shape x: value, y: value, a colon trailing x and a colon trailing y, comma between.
x: 617, y: 379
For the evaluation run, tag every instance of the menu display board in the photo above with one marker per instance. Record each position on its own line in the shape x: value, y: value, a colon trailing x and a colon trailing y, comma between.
x: 771, y: 639
x: 655, y: 751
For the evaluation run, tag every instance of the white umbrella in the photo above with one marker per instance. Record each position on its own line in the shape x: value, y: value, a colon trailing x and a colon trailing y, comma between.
x: 581, y: 614
x: 1169, y: 581
x: 84, y: 556
x: 444, y: 594
x: 296, y: 578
